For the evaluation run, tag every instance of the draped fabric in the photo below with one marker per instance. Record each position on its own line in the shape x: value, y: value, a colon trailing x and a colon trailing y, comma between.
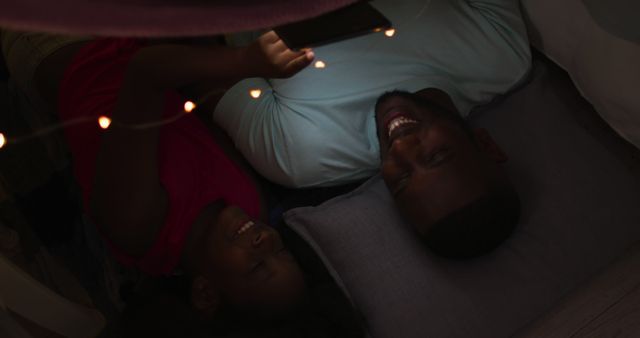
x: 157, y: 18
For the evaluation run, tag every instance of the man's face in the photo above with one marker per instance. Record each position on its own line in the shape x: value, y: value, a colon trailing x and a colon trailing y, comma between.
x: 430, y: 163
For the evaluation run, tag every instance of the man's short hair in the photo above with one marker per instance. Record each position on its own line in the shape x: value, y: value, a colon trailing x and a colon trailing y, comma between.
x: 477, y: 228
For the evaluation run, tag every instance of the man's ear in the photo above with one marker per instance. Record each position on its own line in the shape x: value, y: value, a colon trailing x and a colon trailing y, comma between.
x: 488, y: 146
x: 205, y: 297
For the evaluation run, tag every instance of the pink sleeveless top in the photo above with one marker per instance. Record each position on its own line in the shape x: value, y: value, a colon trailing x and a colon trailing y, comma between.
x: 193, y: 168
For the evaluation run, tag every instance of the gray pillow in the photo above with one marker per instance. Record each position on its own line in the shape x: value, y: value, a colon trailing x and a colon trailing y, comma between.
x: 580, y: 191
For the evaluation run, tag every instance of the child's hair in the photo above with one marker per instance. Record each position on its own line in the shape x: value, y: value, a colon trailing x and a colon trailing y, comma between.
x: 161, y: 308
x: 161, y: 311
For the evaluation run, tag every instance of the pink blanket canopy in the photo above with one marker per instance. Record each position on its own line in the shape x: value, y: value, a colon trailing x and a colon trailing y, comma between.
x: 157, y: 18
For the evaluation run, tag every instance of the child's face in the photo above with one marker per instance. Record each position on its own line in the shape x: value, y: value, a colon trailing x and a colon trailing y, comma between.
x: 250, y: 266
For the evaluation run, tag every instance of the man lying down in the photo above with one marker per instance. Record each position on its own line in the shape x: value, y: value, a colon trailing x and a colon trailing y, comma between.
x: 329, y: 126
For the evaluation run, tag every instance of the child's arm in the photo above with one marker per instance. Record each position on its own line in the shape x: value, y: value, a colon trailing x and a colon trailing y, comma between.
x: 174, y: 66
x: 128, y: 200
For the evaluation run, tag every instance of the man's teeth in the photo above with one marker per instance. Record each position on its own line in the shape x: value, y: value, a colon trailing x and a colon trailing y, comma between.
x: 397, y: 122
x: 245, y: 227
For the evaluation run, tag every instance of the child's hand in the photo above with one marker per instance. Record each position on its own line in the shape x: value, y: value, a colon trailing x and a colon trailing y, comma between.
x: 269, y: 57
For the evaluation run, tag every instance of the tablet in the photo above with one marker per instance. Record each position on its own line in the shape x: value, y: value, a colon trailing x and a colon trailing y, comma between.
x: 345, y: 23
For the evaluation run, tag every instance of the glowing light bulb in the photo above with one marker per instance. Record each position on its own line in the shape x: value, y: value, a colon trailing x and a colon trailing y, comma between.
x: 3, y: 140
x: 104, y: 122
x: 390, y: 32
x: 189, y: 106
x: 255, y: 93
x: 376, y: 30
x: 320, y: 64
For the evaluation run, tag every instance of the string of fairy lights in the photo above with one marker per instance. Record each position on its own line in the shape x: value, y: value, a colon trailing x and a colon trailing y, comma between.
x: 105, y: 122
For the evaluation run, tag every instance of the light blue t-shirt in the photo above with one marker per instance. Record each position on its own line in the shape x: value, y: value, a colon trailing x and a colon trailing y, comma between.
x: 317, y: 128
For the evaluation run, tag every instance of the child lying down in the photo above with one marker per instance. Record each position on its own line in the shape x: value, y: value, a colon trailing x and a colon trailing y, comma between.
x: 176, y: 198
x: 323, y: 127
